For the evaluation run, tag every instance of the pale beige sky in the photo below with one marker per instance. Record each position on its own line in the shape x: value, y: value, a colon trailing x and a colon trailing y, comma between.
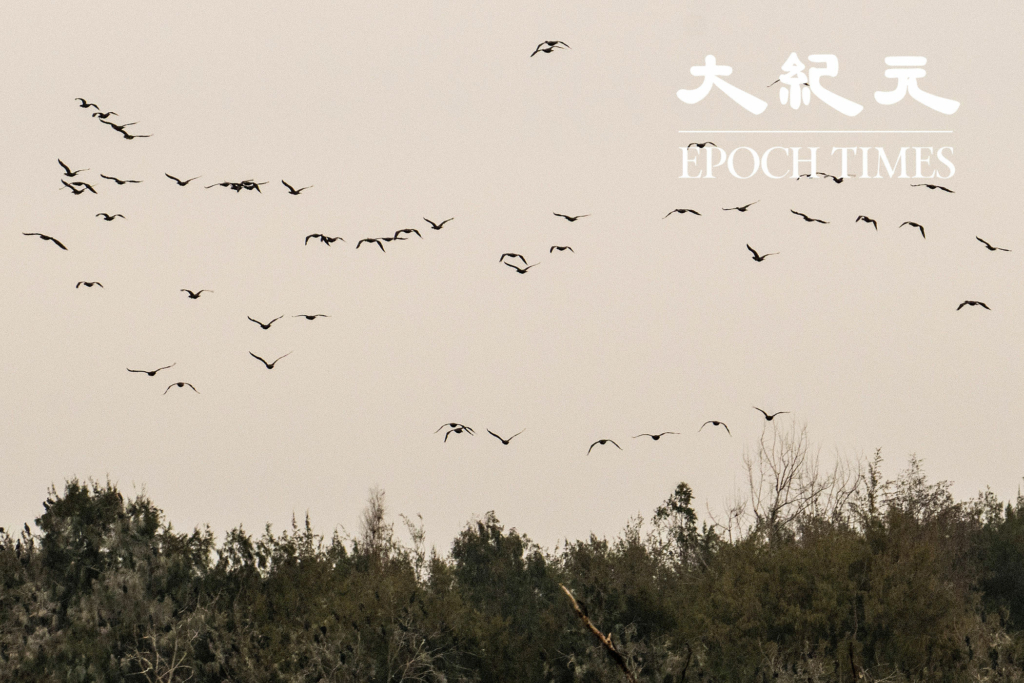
x: 403, y: 110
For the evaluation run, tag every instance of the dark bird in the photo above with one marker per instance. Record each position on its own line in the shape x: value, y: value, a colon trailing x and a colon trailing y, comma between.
x: 834, y: 178
x: 292, y: 190
x: 681, y: 211
x: 549, y: 45
x: 407, y: 231
x: 456, y: 430
x: 601, y: 442
x: 180, y: 385
x: 311, y: 317
x: 151, y: 373
x: 88, y: 284
x: 771, y: 417
x: 86, y: 105
x: 102, y: 115
x: 933, y: 187
x: 973, y: 303
x: 505, y: 441
x: 68, y: 172
x: 438, y: 226
x: 517, y: 268
x: 510, y: 254
x: 270, y: 366
x: 107, y: 217
x: 224, y: 184
x: 195, y: 295
x: 118, y: 180
x: 552, y: 249
x: 74, y: 190
x: 371, y: 240
x: 181, y: 183
x: 808, y: 218
x: 455, y: 425
x: 700, y: 145
x: 759, y: 257
x: 119, y: 127
x: 867, y: 220
x: 84, y: 186
x: 989, y: 246
x: 741, y: 209
x: 804, y: 175
x: 571, y: 219
x: 914, y: 225
x: 717, y: 423
x: 46, y: 238
x: 249, y: 185
x: 266, y: 326
x: 323, y: 238
x: 128, y: 136
x: 654, y: 437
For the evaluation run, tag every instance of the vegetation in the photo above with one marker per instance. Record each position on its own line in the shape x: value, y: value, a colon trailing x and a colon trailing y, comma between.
x: 820, y: 574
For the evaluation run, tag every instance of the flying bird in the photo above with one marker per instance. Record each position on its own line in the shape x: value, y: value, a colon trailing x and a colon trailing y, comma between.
x: 119, y: 127
x: 74, y: 190
x: 180, y: 385
x: 311, y: 317
x: 438, y: 226
x: 601, y: 442
x: 700, y: 145
x: 505, y: 441
x: 68, y: 172
x: 292, y: 190
x: 371, y: 240
x: 973, y: 303
x: 88, y: 284
x: 914, y: 225
x: 681, y: 211
x: 181, y: 183
x: 102, y: 115
x: 759, y: 257
x: 741, y: 209
x: 717, y: 423
x: 107, y: 217
x: 549, y: 45
x: 808, y: 218
x: 270, y: 366
x: 407, y: 231
x: 456, y: 430
x: 455, y: 425
x: 323, y: 238
x: 85, y: 186
x: 46, y: 238
x: 195, y: 295
x: 571, y: 219
x: 266, y: 326
x: 128, y: 136
x: 517, y: 268
x: 86, y: 105
x: 151, y: 373
x: 552, y: 249
x: 118, y: 180
x: 510, y: 254
x: 834, y: 178
x: 934, y: 187
x: 771, y: 417
x: 654, y: 437
x: 989, y: 246
x: 867, y: 220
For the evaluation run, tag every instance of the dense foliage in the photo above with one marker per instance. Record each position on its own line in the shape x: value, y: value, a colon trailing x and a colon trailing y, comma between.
x: 817, y: 575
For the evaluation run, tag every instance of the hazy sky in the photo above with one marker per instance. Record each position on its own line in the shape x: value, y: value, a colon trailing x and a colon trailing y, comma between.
x: 398, y: 111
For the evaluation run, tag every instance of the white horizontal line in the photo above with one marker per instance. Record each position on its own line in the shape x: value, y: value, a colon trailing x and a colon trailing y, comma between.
x: 815, y: 131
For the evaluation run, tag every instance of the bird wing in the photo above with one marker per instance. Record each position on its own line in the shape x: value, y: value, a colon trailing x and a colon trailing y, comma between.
x: 287, y: 354
x: 726, y: 428
x: 259, y: 359
x: 751, y: 249
x: 290, y: 188
x: 982, y: 304
x: 615, y: 444
x: 57, y: 242
x: 63, y: 165
x: 762, y: 412
x: 495, y: 436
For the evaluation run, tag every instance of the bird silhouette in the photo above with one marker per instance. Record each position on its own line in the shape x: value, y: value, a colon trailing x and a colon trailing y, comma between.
x: 86, y: 105
x: 74, y: 190
x: 195, y: 295
x: 102, y: 115
x: 68, y: 172
x: 549, y: 45
x: 989, y: 246
x: 456, y: 430
x: 371, y: 240
x: 292, y: 190
x: 510, y: 254
x: 311, y: 317
x: 914, y: 225
x: 717, y: 423
x: 601, y: 442
x: 88, y: 284
x: 808, y: 218
x: 741, y: 209
x: 84, y: 186
x: 46, y: 238
x: 152, y: 373
x: 759, y: 257
x: 265, y: 326
x: 973, y: 303
x: 128, y: 136
x: 934, y: 187
x: 270, y: 366
x: 505, y: 441
x: 571, y: 219
x: 680, y: 211
x: 407, y: 231
x: 553, y: 249
x: 180, y: 385
x: 438, y: 226
x: 700, y: 145
x: 118, y: 180
x: 771, y: 417
x: 181, y: 183
x: 323, y: 238
x: 867, y: 220
x: 519, y: 270
x: 108, y: 217
x: 119, y: 127
x: 455, y: 425
x: 654, y: 437
x: 834, y: 178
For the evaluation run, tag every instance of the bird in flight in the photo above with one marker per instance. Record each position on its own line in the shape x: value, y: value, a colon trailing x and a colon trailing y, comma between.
x: 453, y: 426
x: 456, y: 430
x: 119, y: 127
x: 700, y: 145
x: 989, y: 246
x: 571, y: 219
x: 102, y: 115
x: 438, y: 226
x: 505, y: 441
x: 549, y: 45
x: 68, y: 172
x: 371, y: 240
x: 973, y: 303
x: 717, y: 423
x: 118, y: 180
x: 510, y: 254
x: 323, y: 238
x: 74, y: 190
x: 270, y: 366
x: 681, y: 211
x: 107, y: 217
x: 808, y: 218
x: 601, y: 442
x: 834, y: 178
x: 128, y: 136
x: 46, y: 238
x: 407, y: 231
x: 741, y: 209
x: 266, y: 326
x: 311, y: 317
x: 86, y: 105
x: 292, y: 190
x: 88, y: 284
x: 654, y: 437
x: 552, y: 249
x: 934, y: 187
x: 85, y: 186
x: 195, y: 295
x: 759, y: 257
x: 517, y: 268
x: 771, y: 417
x: 867, y: 220
x: 914, y: 225
x: 180, y: 385
x: 151, y: 373
x: 181, y: 183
